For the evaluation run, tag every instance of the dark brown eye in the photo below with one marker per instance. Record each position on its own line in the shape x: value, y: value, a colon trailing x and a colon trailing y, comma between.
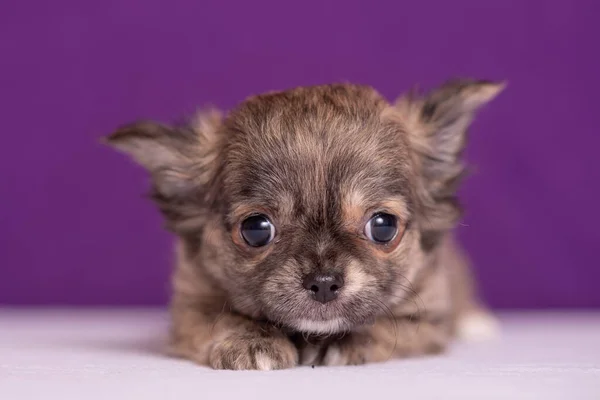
x: 382, y: 228
x: 257, y: 230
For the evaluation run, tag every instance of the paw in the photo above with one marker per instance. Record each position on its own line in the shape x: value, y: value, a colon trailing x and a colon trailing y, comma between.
x: 253, y: 352
x: 352, y: 349
x: 477, y: 326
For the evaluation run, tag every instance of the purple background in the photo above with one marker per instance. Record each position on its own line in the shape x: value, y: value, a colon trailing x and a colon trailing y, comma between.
x: 75, y: 229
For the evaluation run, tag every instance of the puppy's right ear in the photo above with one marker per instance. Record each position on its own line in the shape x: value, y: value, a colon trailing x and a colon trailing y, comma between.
x: 180, y: 160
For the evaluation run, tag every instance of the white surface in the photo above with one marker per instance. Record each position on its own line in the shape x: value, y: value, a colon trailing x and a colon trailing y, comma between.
x: 87, y: 355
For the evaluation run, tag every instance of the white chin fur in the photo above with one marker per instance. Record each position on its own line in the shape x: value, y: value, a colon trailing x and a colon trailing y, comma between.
x: 477, y: 326
x: 321, y: 327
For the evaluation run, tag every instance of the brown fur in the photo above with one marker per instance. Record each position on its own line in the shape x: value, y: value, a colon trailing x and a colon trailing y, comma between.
x: 319, y: 161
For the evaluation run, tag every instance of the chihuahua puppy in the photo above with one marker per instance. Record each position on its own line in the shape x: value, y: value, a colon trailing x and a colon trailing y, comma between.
x: 314, y: 225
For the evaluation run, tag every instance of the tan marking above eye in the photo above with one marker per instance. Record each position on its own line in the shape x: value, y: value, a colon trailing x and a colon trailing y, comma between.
x: 356, y: 207
x: 244, y: 210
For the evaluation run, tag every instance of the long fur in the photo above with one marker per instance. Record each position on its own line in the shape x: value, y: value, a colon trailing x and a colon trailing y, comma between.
x: 318, y: 161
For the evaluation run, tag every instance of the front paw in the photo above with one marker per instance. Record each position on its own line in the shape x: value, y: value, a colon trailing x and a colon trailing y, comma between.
x: 253, y: 351
x: 352, y: 349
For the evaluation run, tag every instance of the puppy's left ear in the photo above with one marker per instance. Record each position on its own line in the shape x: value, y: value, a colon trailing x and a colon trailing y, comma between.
x: 438, y: 122
x: 437, y: 125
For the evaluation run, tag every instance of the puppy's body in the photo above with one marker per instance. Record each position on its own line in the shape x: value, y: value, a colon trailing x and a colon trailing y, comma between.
x: 314, y: 225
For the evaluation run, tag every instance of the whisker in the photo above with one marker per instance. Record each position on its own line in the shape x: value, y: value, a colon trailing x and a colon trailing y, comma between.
x: 219, y: 317
x: 416, y: 299
x: 412, y: 291
x: 392, y: 318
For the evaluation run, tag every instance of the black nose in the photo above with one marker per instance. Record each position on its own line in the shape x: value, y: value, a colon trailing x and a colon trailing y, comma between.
x: 324, y: 287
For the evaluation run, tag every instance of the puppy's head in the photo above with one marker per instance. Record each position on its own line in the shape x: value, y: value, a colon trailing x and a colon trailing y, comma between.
x: 315, y: 207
